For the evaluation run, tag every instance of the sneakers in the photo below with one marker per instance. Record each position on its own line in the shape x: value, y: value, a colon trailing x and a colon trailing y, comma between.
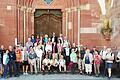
x: 109, y: 78
x: 96, y: 75
x: 16, y: 76
x: 25, y: 73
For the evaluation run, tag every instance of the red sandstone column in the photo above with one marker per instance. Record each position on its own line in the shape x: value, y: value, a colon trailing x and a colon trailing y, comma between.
x: 32, y: 21
x: 75, y: 30
x: 18, y: 20
x: 66, y: 22
x: 63, y: 22
x: 20, y: 26
x: 24, y: 25
x: 72, y: 25
x: 70, y: 36
x: 27, y: 23
x: 79, y: 21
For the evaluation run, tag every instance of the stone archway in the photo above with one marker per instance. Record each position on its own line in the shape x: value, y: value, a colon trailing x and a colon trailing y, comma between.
x: 69, y: 15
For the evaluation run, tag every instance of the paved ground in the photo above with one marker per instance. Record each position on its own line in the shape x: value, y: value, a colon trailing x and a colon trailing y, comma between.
x: 58, y: 77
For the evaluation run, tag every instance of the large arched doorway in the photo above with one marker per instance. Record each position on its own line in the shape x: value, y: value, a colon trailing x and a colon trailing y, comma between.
x: 48, y: 21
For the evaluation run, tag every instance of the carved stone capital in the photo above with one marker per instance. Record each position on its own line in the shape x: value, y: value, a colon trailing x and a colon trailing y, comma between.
x: 29, y: 10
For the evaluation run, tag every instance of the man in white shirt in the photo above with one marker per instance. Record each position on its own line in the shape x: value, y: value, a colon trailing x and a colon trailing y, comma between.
x: 39, y: 54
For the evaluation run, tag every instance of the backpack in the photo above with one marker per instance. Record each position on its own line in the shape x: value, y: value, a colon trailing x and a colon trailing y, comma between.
x: 87, y: 60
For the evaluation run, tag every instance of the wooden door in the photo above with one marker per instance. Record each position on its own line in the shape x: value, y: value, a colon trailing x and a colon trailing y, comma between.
x: 48, y: 23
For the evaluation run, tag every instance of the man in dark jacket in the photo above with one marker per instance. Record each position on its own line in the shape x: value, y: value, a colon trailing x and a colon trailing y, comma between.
x: 82, y: 53
x: 93, y: 50
x: 54, y: 41
x: 2, y: 51
x: 66, y: 55
x: 54, y: 38
x: 12, y: 59
x: 33, y: 39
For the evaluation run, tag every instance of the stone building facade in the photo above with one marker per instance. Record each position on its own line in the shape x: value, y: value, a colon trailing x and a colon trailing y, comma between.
x: 17, y: 20
x: 115, y: 15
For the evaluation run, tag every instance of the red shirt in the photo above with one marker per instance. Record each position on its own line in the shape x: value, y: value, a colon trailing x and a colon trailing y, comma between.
x: 96, y: 59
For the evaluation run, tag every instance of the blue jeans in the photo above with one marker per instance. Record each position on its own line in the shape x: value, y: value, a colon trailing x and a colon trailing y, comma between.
x: 12, y: 64
x: 6, y: 67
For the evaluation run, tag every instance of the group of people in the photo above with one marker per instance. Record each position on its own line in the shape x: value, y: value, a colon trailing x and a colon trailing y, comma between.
x: 54, y: 54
